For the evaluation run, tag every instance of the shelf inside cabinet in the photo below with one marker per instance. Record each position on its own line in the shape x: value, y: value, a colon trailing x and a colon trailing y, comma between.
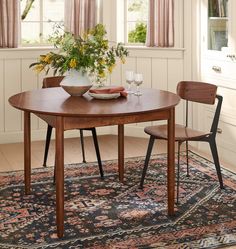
x: 218, y: 18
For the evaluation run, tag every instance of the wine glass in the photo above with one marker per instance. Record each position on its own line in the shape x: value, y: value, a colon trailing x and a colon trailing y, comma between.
x: 129, y: 80
x: 138, y: 80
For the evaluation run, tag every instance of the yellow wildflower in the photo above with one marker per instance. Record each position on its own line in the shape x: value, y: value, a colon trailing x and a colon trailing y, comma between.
x: 110, y: 68
x: 104, y: 44
x: 81, y: 49
x: 102, y: 75
x: 48, y: 58
x: 39, y: 68
x: 73, y: 63
x: 102, y: 62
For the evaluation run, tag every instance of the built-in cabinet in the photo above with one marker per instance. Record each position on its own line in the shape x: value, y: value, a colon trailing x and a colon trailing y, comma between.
x: 218, y: 66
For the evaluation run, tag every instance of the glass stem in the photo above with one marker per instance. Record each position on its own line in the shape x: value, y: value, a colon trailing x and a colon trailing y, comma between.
x: 138, y: 89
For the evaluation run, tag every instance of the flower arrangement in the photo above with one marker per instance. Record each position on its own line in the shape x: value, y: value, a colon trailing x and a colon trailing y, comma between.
x: 89, y: 53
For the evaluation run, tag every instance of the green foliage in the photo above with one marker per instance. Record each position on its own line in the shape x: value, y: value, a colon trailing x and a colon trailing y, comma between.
x: 138, y: 35
x: 136, y: 6
x: 90, y: 53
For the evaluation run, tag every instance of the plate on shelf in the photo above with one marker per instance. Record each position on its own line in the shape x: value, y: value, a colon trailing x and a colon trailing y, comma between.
x: 104, y: 95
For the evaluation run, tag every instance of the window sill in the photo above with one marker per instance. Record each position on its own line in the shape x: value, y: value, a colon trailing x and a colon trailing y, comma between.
x: 140, y: 47
x: 130, y: 47
x: 28, y: 48
x: 134, y: 51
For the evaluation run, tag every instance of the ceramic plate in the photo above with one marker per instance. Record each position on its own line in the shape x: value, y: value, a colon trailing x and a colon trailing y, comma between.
x: 104, y: 96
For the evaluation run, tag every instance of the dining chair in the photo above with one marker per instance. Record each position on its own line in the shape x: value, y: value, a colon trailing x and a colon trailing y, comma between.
x: 199, y: 92
x: 55, y: 82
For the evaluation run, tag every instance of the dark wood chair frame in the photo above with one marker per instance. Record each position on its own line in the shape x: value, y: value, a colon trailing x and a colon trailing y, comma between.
x: 55, y: 82
x: 208, y: 137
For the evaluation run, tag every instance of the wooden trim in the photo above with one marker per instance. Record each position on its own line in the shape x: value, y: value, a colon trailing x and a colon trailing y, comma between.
x: 135, y: 51
x: 73, y: 123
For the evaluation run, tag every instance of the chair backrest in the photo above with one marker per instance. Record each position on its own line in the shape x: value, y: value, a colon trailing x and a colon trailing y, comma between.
x: 197, y: 92
x: 52, y: 81
x: 201, y: 92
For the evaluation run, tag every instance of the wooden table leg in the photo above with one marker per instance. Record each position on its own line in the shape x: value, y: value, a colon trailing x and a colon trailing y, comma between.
x: 171, y: 162
x: 60, y: 175
x: 27, y: 152
x: 121, y: 152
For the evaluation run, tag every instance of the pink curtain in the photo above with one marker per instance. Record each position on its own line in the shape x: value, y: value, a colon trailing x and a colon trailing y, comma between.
x: 80, y: 15
x: 160, y: 31
x: 9, y: 23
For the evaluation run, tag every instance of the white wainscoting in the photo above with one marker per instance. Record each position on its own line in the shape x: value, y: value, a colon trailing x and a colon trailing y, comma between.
x: 162, y: 69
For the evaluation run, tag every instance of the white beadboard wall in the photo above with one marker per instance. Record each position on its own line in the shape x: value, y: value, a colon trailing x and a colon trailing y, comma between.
x: 162, y: 69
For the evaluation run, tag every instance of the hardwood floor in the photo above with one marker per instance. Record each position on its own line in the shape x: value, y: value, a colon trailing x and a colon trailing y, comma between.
x: 11, y: 155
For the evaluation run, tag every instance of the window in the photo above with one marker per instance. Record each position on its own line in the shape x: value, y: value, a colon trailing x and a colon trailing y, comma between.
x: 136, y: 21
x: 131, y: 12
x: 38, y: 17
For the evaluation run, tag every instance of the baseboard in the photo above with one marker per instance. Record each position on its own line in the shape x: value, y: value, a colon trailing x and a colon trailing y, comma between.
x: 37, y: 135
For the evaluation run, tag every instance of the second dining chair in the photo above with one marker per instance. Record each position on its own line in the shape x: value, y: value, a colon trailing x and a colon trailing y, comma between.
x: 54, y: 81
x: 199, y: 92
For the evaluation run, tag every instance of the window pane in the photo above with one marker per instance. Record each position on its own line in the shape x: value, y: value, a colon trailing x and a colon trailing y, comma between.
x: 137, y: 10
x: 131, y: 26
x: 39, y: 19
x: 34, y: 13
x: 217, y: 25
x: 29, y: 37
x: 48, y: 28
x: 137, y: 32
x: 53, y: 10
x: 136, y: 23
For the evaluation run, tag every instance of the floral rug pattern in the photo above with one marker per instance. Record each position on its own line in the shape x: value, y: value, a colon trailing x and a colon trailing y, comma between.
x: 104, y: 213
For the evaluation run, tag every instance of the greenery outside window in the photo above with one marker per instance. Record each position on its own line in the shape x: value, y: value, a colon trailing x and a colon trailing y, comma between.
x: 38, y: 17
x: 136, y: 18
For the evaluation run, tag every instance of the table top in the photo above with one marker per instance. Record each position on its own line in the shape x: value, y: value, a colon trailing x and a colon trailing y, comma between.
x: 55, y: 101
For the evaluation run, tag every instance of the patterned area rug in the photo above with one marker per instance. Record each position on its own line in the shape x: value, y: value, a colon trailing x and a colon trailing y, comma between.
x: 108, y: 214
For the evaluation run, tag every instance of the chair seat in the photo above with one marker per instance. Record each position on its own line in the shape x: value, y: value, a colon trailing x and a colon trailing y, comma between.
x: 181, y: 132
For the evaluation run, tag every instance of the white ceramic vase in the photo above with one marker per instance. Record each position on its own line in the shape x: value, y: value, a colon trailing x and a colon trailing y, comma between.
x: 76, y: 83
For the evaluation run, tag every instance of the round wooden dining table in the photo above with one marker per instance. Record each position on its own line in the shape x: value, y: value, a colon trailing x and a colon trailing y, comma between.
x: 64, y: 112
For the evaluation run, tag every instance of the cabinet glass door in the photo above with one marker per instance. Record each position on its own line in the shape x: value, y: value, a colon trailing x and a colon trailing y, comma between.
x: 217, y: 24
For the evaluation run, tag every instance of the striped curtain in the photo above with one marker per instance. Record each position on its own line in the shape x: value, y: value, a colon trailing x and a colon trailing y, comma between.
x: 9, y: 23
x: 160, y: 28
x: 80, y: 15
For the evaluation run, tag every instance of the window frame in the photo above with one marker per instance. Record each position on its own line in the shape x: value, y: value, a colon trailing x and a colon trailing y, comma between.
x: 126, y: 34
x: 41, y: 28
x: 113, y: 18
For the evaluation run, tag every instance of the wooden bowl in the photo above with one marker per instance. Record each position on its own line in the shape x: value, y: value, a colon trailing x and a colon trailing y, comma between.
x: 76, y: 90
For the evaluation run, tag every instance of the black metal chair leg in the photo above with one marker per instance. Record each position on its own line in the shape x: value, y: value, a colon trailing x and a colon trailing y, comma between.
x: 97, y: 151
x: 216, y: 161
x: 187, y: 158
x: 178, y: 171
x: 48, y: 139
x: 82, y: 145
x: 148, y: 155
